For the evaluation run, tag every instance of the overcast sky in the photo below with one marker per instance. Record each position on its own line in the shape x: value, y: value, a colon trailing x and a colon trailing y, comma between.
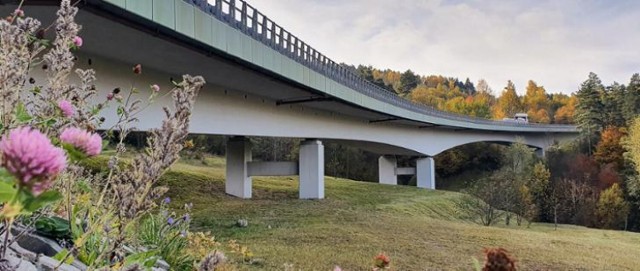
x: 555, y: 43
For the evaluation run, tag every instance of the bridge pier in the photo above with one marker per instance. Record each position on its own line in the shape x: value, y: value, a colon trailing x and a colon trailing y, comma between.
x: 540, y: 153
x: 238, y: 181
x: 426, y: 173
x: 311, y: 169
x: 387, y: 165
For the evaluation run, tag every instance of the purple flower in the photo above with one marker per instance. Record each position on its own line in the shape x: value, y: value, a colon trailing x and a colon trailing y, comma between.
x: 89, y: 143
x: 155, y: 88
x: 186, y: 217
x: 170, y: 221
x: 110, y: 96
x: 18, y: 12
x: 77, y: 41
x: 67, y: 108
x: 166, y: 200
x: 29, y: 155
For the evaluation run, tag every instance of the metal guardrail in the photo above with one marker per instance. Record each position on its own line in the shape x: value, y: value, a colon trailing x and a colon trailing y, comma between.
x: 245, y: 18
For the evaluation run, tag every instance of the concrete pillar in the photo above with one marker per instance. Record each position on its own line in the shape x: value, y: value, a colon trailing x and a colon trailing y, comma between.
x: 311, y: 169
x: 238, y: 181
x: 387, y: 165
x: 540, y: 153
x: 426, y: 173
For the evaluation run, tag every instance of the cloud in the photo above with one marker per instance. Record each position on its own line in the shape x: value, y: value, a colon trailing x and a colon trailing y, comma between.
x: 555, y: 43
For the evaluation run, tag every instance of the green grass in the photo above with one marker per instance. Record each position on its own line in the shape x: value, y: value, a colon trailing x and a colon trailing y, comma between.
x: 418, y: 229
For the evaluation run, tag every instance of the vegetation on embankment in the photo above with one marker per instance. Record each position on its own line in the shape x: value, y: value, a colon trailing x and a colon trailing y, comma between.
x: 418, y: 229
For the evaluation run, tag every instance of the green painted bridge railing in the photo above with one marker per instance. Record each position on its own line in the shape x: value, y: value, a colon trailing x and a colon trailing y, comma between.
x: 244, y: 18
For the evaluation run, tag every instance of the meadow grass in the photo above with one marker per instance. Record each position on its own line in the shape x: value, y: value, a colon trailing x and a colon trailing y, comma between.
x: 418, y: 229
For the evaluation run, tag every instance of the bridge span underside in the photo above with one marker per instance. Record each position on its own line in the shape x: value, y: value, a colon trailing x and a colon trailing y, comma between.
x: 243, y: 100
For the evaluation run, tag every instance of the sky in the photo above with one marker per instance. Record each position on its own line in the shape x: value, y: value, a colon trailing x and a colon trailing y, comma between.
x: 555, y: 43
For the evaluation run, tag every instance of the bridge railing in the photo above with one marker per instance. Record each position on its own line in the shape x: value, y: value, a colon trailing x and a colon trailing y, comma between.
x: 245, y: 18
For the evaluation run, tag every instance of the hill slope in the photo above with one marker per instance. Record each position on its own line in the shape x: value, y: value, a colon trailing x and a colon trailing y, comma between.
x: 418, y: 229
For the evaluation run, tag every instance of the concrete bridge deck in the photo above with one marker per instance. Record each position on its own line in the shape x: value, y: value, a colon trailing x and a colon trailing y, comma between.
x: 263, y: 81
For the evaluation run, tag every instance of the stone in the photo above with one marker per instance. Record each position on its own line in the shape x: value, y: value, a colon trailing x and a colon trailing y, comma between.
x: 25, y: 254
x: 19, y: 264
x: 162, y: 265
x: 37, y: 244
x: 49, y: 264
x: 242, y: 223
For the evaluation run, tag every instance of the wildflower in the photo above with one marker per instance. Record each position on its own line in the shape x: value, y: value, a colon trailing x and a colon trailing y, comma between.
x: 89, y: 143
x: 137, y: 69
x: 337, y: 268
x: 183, y: 233
x: 67, y: 108
x: 166, y: 200
x: 18, y: 12
x: 170, y: 221
x: 381, y: 261
x: 188, y: 144
x: 29, y: 155
x: 109, y: 96
x: 186, y: 217
x: 155, y: 88
x: 77, y: 41
x: 498, y: 259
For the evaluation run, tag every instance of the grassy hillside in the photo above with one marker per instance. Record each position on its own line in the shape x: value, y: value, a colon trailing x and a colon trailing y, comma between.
x: 418, y: 229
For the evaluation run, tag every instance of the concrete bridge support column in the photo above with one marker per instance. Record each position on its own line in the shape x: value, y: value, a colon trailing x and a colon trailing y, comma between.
x: 426, y: 173
x: 540, y: 153
x: 238, y: 181
x: 311, y: 169
x: 387, y: 165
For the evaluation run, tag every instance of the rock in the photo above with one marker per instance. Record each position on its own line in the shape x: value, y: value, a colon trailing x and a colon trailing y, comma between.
x: 19, y: 264
x: 242, y: 223
x: 162, y: 265
x: 37, y: 244
x: 49, y: 264
x: 25, y: 254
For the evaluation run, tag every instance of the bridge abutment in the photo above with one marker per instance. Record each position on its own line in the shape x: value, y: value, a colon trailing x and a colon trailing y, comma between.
x: 311, y: 169
x: 425, y: 173
x: 238, y: 181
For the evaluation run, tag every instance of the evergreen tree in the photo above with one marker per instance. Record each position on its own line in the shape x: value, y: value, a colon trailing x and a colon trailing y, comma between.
x: 589, y: 113
x: 631, y: 104
x: 613, y: 102
x: 408, y: 81
x: 469, y: 87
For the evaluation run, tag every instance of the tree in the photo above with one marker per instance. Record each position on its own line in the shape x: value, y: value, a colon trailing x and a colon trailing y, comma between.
x: 631, y: 144
x: 609, y: 149
x: 508, y: 103
x: 483, y: 86
x: 631, y: 104
x: 536, y: 192
x: 565, y: 114
x: 613, y: 103
x: 536, y: 104
x: 590, y: 111
x: 486, y: 197
x: 468, y: 86
x: 408, y: 81
x: 517, y: 163
x: 612, y: 209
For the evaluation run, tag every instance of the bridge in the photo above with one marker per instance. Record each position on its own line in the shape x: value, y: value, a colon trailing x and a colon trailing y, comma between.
x: 264, y: 81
